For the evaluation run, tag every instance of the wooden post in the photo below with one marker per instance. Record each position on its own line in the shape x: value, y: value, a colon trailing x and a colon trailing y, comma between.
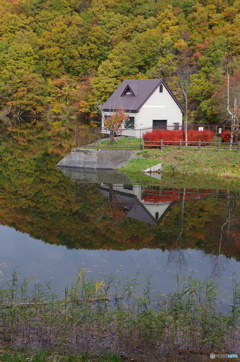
x: 180, y: 144
x: 199, y: 145
x: 142, y: 144
x: 238, y: 146
x: 161, y: 146
x: 218, y: 145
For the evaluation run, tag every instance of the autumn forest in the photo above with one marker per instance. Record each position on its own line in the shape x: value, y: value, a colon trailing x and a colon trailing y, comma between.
x: 67, y: 56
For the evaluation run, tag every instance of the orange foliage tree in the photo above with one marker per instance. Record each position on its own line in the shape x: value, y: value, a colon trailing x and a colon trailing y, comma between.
x: 114, y: 121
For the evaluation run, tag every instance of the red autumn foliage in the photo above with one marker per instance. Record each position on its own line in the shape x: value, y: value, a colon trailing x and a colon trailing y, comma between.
x: 156, y: 199
x: 205, y: 136
x: 170, y: 137
x: 226, y: 135
x: 166, y: 135
x: 169, y: 195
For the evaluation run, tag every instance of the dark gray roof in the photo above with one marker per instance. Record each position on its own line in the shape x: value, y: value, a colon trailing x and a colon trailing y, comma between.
x: 134, y: 208
x: 141, y: 90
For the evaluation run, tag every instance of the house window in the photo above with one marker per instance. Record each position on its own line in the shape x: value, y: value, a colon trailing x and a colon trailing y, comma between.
x: 127, y: 92
x: 176, y: 126
x: 160, y: 124
x: 161, y: 88
x: 129, y: 123
x: 156, y: 215
x: 128, y: 187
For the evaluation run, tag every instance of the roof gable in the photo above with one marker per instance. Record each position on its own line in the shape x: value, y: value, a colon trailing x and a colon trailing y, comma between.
x: 132, y: 94
x: 128, y: 91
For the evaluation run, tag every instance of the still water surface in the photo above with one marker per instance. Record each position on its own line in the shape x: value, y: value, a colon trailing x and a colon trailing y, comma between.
x: 54, y: 222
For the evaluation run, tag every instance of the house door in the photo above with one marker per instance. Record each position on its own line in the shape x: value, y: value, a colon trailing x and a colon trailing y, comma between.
x: 160, y: 124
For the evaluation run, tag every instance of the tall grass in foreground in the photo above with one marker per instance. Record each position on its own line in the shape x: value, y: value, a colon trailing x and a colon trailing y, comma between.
x: 111, y: 316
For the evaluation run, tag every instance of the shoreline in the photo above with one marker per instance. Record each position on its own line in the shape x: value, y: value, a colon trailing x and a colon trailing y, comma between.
x: 188, y: 168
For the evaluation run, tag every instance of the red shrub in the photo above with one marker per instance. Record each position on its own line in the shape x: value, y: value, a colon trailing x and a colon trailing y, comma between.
x: 166, y: 135
x: 226, y: 135
x: 163, y: 134
x: 168, y: 195
x: 156, y: 199
x: 204, y: 136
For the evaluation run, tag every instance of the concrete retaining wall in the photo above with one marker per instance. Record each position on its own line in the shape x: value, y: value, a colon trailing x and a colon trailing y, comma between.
x: 98, y: 159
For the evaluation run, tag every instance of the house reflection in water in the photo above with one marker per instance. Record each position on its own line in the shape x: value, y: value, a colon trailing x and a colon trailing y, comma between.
x: 149, y: 204
x: 130, y: 197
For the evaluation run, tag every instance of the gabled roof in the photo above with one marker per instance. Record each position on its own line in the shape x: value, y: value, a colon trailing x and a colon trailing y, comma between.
x: 132, y: 94
x: 135, y: 209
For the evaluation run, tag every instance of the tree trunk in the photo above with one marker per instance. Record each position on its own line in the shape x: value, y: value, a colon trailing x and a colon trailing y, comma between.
x: 231, y: 137
x: 111, y: 136
x: 229, y: 111
x: 186, y: 120
x: 185, y: 90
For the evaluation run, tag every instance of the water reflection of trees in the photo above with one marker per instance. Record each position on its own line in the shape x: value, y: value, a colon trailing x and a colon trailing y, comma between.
x: 38, y: 199
x: 177, y: 255
x: 226, y: 229
x: 111, y: 207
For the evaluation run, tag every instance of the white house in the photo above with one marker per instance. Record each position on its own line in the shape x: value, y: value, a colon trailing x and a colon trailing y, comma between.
x: 149, y: 104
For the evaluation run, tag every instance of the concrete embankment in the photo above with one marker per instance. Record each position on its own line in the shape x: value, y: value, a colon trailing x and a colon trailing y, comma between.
x: 98, y: 159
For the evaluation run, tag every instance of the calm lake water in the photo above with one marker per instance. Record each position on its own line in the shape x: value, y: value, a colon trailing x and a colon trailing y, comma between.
x: 55, y: 222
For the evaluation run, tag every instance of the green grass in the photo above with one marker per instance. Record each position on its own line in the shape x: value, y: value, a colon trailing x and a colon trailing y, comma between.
x: 186, y: 167
x: 119, y: 143
x: 110, y: 321
x: 207, y: 168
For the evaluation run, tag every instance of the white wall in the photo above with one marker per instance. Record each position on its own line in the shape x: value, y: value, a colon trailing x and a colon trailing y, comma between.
x: 160, y: 106
x: 156, y: 208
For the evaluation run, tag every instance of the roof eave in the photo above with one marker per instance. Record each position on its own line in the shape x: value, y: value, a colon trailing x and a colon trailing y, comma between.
x: 114, y: 109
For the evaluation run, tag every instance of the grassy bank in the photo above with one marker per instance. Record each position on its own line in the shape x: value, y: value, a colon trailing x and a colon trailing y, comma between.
x: 189, y: 168
x: 111, y: 321
x: 183, y: 168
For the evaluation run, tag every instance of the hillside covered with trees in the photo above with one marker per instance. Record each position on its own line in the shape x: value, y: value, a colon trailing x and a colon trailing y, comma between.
x: 67, y: 56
